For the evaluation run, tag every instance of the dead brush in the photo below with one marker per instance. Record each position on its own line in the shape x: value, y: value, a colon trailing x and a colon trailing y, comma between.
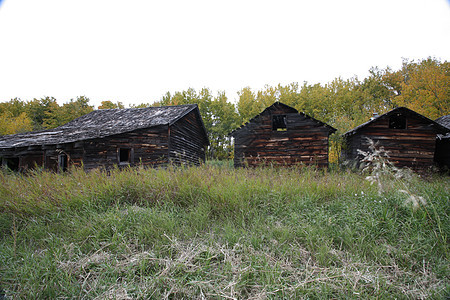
x: 376, y: 162
x: 198, y: 269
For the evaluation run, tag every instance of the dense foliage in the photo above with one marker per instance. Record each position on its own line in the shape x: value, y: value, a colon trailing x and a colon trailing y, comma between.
x: 423, y: 86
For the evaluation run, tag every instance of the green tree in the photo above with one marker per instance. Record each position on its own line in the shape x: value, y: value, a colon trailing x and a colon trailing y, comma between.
x: 14, y: 106
x: 267, y: 96
x: 219, y: 117
x: 248, y: 106
x: 44, y: 113
x: 289, y: 94
x: 224, y: 119
x: 377, y: 95
x: 313, y: 101
x: 74, y: 109
x: 110, y: 105
x: 143, y: 105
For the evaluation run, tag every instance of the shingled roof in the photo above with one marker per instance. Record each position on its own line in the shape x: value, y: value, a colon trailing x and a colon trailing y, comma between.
x: 100, y: 123
x: 444, y: 121
x: 440, y: 128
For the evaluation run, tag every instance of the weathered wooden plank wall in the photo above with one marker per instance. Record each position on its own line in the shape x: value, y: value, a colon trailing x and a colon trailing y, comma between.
x: 187, y: 143
x: 104, y: 139
x: 412, y: 147
x: 305, y: 141
x: 150, y: 147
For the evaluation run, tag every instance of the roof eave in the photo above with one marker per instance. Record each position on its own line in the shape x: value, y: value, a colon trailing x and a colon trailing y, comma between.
x: 438, y: 126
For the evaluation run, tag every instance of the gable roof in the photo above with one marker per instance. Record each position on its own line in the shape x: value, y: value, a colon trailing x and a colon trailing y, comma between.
x: 439, y: 127
x: 293, y: 110
x: 101, y: 123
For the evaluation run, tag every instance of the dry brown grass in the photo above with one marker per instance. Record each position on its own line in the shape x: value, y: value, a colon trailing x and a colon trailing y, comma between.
x: 226, y: 272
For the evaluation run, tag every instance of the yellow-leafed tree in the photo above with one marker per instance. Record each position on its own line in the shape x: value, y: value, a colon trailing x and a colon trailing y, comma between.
x: 424, y: 87
x: 11, y: 125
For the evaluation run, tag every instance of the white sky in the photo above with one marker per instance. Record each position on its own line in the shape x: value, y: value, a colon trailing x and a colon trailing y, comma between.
x: 135, y: 51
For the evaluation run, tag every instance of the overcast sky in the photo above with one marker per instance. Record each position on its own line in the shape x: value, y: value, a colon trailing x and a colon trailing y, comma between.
x: 135, y: 51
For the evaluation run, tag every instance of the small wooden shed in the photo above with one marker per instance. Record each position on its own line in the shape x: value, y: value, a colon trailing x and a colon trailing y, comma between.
x: 409, y: 137
x: 112, y: 137
x: 442, y: 156
x: 281, y: 135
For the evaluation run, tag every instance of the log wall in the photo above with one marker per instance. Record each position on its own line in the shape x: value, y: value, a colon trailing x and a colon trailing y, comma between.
x: 305, y: 141
x: 412, y: 147
x: 149, y: 147
x: 187, y: 143
x: 184, y: 141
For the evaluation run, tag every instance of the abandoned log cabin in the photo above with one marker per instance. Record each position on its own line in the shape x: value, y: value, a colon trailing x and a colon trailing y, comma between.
x: 409, y: 137
x: 280, y: 135
x: 442, y: 156
x: 112, y: 137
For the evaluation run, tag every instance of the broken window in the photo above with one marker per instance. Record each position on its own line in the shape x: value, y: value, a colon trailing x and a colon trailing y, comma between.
x: 397, y: 122
x: 124, y: 155
x: 11, y: 163
x: 62, y: 163
x: 279, y: 123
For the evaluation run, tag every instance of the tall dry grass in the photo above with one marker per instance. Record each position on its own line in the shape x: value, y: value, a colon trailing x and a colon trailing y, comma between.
x: 217, y: 232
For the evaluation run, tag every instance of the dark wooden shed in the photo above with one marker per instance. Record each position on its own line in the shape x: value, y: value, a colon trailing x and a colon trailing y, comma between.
x: 409, y: 137
x: 112, y: 137
x: 442, y: 156
x: 281, y: 135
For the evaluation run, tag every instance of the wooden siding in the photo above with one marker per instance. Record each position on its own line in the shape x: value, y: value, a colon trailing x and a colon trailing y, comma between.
x: 187, y: 142
x: 107, y: 138
x: 149, y: 147
x: 305, y: 141
x: 39, y: 157
x: 412, y: 147
x: 27, y: 157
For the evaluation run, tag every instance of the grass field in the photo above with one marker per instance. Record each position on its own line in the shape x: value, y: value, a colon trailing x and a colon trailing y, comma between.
x: 218, y: 233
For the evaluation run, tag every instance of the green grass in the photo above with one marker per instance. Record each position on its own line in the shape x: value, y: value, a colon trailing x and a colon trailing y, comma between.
x: 217, y: 232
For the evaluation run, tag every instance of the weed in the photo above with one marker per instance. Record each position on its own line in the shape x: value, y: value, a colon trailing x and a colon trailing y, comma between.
x: 216, y: 232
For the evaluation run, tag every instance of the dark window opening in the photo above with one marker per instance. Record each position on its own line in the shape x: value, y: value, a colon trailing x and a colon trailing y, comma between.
x: 11, y: 163
x: 279, y: 123
x: 397, y: 122
x: 124, y: 155
x: 62, y: 163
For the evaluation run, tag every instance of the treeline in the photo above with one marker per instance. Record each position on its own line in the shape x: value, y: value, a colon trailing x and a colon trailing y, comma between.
x: 423, y: 86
